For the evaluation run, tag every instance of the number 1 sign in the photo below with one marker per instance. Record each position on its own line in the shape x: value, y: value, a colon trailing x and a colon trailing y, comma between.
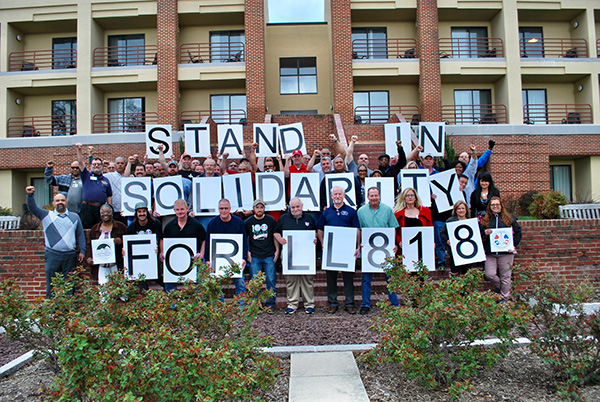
x: 418, y: 245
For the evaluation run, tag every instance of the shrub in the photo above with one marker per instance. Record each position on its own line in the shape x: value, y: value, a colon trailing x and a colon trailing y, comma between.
x: 30, y: 222
x: 115, y: 344
x: 545, y: 205
x: 5, y: 211
x: 562, y: 335
x: 431, y: 336
x: 525, y: 200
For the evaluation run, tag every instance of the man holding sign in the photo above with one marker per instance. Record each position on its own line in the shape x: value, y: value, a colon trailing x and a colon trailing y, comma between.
x: 375, y: 215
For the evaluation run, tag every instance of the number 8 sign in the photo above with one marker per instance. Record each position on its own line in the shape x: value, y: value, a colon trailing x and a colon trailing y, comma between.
x: 465, y: 241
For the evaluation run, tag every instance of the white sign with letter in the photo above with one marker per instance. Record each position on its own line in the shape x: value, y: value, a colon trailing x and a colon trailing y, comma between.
x: 417, y: 179
x: 378, y: 245
x: 298, y: 254
x: 179, y: 259
x: 159, y: 134
x: 431, y: 138
x: 197, y: 139
x: 266, y: 135
x: 134, y: 190
x: 338, y: 254
x: 291, y: 137
x: 397, y: 132
x: 465, y: 241
x: 237, y: 188
x: 346, y: 182
x: 226, y: 250
x: 270, y: 188
x: 206, y: 194
x: 139, y: 256
x: 306, y: 186
x: 446, y: 188
x: 231, y: 140
x: 418, y: 245
x: 167, y: 190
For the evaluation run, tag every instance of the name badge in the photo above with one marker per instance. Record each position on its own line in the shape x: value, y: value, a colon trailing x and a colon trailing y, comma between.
x: 93, y: 178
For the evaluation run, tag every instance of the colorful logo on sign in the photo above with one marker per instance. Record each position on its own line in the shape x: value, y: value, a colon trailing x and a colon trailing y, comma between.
x: 501, y: 240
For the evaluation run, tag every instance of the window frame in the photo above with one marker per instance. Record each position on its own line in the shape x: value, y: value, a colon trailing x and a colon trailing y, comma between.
x: 540, y: 117
x: 569, y: 175
x: 228, y: 118
x: 121, y: 55
x: 534, y: 49
x: 477, y: 114
x: 64, y: 126
x: 122, y: 125
x: 64, y: 60
x: 371, y: 117
x: 298, y: 75
x: 373, y: 50
x: 473, y: 48
x: 229, y: 53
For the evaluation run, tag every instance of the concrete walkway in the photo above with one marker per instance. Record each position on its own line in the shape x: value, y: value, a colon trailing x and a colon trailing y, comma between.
x: 331, y: 376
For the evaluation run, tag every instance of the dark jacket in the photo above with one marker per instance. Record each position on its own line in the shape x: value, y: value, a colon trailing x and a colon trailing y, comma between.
x: 496, y: 222
x: 119, y: 229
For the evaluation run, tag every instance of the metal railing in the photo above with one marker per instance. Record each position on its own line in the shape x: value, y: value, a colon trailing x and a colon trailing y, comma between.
x: 36, y: 126
x: 389, y: 48
x: 553, y: 48
x: 119, y: 56
x: 474, y: 114
x: 598, y: 48
x: 471, y: 48
x: 123, y: 122
x: 228, y: 52
x: 232, y: 116
x: 382, y: 114
x: 556, y: 113
x: 35, y: 60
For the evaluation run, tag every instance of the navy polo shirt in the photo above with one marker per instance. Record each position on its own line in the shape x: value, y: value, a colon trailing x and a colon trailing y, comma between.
x: 95, y: 188
x: 344, y: 217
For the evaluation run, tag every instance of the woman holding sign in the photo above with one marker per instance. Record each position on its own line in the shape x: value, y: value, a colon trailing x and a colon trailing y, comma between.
x: 107, y: 228
x: 501, y: 235
x: 460, y: 212
x: 410, y: 213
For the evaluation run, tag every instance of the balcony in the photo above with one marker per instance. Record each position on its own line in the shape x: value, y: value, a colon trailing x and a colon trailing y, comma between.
x: 36, y: 126
x: 471, y: 48
x: 232, y: 116
x: 228, y: 52
x: 382, y: 114
x: 119, y: 56
x: 123, y: 122
x: 400, y: 48
x: 474, y: 114
x: 42, y: 60
x: 553, y: 48
x: 557, y: 114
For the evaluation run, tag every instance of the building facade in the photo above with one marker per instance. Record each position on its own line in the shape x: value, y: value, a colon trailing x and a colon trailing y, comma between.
x: 524, y: 73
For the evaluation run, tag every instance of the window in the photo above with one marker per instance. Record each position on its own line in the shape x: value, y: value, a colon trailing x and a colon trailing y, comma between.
x: 369, y: 43
x: 229, y: 109
x: 126, y: 115
x: 64, y: 120
x: 298, y: 75
x: 126, y: 50
x: 534, y: 106
x: 227, y: 46
x: 469, y: 42
x: 64, y: 53
x: 43, y: 191
x: 294, y: 11
x: 371, y: 106
x: 532, y: 41
x: 472, y: 105
x: 560, y: 179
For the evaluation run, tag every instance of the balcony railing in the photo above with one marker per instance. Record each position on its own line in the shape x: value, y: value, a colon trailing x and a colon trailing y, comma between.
x: 36, y: 126
x: 598, y: 48
x: 123, y: 122
x: 553, y: 48
x: 390, y: 48
x: 382, y: 114
x: 228, y: 52
x: 474, y: 114
x: 119, y: 56
x: 557, y: 114
x: 232, y: 116
x: 471, y: 48
x: 42, y: 60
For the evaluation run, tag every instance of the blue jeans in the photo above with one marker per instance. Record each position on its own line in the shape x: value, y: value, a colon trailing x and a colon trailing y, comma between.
x: 268, y: 265
x: 58, y: 263
x: 366, y: 291
x: 440, y: 249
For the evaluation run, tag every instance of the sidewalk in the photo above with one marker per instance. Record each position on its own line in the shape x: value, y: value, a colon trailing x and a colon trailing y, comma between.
x: 330, y: 376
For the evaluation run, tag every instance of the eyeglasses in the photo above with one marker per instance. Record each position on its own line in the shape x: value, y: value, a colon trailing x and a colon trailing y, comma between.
x: 74, y: 167
x: 409, y: 195
x: 495, y: 205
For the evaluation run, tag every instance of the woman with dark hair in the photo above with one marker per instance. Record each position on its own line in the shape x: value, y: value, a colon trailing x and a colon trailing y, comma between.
x: 497, y: 265
x: 105, y: 229
x: 409, y: 212
x: 484, y: 191
x: 460, y: 212
x: 362, y: 172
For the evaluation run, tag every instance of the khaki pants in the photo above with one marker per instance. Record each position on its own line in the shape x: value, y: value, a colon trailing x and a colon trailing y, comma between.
x: 296, y: 285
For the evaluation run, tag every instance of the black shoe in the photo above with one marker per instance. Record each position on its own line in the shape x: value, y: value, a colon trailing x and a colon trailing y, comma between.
x: 351, y: 310
x: 364, y: 310
x: 332, y: 309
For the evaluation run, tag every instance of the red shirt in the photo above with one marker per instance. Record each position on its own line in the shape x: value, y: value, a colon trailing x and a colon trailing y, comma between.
x: 301, y: 169
x: 424, y: 217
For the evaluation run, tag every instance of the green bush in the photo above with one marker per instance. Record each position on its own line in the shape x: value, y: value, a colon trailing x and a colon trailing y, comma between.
x: 561, y: 335
x: 431, y: 334
x: 115, y: 344
x: 5, y: 211
x: 525, y: 200
x: 545, y: 205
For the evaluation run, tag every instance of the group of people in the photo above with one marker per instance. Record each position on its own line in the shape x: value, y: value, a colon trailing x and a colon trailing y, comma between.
x: 90, y: 199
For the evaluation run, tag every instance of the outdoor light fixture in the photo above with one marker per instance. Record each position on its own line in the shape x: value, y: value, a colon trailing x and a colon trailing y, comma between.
x: 579, y: 88
x: 18, y: 37
x: 18, y: 101
x: 575, y: 25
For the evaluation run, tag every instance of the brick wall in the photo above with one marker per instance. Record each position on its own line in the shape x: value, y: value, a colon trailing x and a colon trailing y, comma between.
x: 568, y: 248
x: 430, y: 81
x: 167, y: 24
x: 341, y: 37
x: 254, y: 22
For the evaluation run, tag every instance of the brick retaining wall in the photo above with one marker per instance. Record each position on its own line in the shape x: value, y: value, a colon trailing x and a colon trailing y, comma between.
x: 569, y: 248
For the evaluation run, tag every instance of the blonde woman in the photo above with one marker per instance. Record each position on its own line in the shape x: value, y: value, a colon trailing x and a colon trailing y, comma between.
x: 460, y: 211
x: 410, y: 213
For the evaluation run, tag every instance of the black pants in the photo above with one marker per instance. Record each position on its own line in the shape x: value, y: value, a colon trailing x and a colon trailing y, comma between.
x: 332, y: 288
x: 90, y: 215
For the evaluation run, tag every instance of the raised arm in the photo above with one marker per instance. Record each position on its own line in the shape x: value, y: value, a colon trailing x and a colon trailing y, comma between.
x: 337, y: 146
x: 350, y: 151
x: 161, y: 157
x: 312, y: 160
x: 80, y: 156
x: 252, y: 158
x: 49, y: 173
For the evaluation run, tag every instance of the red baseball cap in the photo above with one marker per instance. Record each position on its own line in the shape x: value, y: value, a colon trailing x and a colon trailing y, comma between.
x: 186, y: 155
x: 297, y: 152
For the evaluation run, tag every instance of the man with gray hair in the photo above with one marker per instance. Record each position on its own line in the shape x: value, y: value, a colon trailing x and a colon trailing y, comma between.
x: 115, y: 183
x: 69, y: 185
